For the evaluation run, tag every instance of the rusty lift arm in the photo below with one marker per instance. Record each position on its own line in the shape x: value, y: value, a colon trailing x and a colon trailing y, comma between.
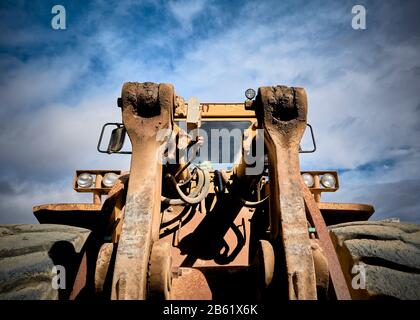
x: 142, y: 266
x: 146, y: 108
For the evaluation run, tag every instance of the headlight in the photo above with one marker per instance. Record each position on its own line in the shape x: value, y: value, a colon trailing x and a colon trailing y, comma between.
x: 85, y: 180
x: 308, y: 179
x: 250, y: 94
x: 328, y: 180
x: 109, y: 179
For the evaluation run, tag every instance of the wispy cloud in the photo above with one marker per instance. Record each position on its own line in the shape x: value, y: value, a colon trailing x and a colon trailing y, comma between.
x: 185, y: 11
x: 362, y: 85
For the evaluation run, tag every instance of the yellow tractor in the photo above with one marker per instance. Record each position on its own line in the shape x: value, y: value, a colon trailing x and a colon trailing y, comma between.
x: 214, y: 206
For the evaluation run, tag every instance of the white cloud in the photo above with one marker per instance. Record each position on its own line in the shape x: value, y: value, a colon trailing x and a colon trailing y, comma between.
x: 185, y: 11
x: 361, y: 89
x: 17, y: 208
x: 397, y: 199
x: 59, y: 138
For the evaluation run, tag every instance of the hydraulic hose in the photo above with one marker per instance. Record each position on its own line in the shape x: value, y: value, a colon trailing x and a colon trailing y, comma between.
x: 196, y: 199
x: 244, y: 202
x: 197, y: 195
x: 252, y: 204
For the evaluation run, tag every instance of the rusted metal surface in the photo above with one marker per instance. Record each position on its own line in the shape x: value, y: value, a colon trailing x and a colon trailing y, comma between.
x: 69, y: 207
x: 335, y: 213
x: 97, y: 193
x: 217, y: 237
x: 357, y: 207
x: 228, y: 111
x: 221, y: 236
x: 336, y: 273
x: 115, y: 203
x: 282, y: 111
x: 102, y: 266
x: 85, y: 215
x: 146, y: 108
x: 81, y: 278
x: 190, y: 284
x: 321, y: 266
x: 316, y: 189
x: 160, y: 271
x: 266, y: 260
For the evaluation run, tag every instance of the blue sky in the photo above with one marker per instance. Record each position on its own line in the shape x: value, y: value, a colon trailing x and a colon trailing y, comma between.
x: 58, y: 87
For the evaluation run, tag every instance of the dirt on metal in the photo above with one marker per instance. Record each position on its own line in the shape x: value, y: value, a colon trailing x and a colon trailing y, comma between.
x: 208, y: 230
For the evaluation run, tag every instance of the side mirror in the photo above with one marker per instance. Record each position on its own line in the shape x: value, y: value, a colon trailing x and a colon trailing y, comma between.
x: 116, y: 141
x: 313, y: 141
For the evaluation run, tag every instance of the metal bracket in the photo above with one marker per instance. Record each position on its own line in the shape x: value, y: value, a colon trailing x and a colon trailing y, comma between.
x: 313, y: 142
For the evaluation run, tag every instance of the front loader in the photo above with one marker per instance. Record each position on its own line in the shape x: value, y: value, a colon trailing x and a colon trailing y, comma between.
x: 214, y: 206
